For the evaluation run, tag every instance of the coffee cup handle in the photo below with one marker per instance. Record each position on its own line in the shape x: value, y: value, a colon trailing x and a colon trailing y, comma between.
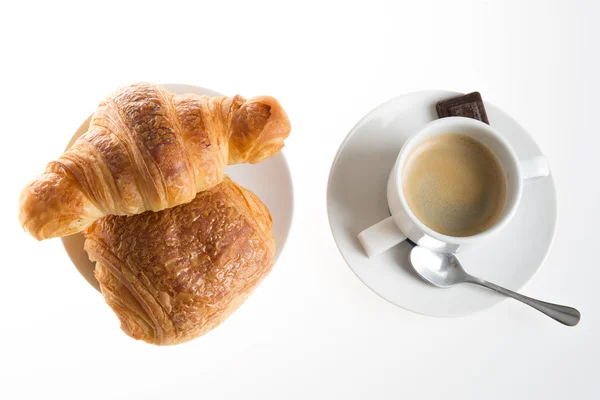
x: 381, y: 237
x: 534, y: 168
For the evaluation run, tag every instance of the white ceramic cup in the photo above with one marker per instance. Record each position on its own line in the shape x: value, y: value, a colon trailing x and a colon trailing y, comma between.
x: 404, y: 224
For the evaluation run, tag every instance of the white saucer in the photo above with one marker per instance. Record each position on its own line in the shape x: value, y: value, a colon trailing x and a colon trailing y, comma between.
x: 270, y: 180
x: 356, y: 199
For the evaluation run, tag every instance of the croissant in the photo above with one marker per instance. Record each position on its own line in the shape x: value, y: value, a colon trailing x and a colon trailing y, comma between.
x: 146, y: 150
x: 176, y: 274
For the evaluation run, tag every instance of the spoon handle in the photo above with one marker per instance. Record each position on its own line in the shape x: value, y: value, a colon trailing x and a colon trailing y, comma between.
x: 563, y: 314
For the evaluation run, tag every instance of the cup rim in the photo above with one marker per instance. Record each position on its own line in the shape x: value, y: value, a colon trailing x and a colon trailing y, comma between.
x: 416, y: 138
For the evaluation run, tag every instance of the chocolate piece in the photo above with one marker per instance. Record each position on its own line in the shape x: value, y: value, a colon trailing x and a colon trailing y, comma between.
x: 470, y: 106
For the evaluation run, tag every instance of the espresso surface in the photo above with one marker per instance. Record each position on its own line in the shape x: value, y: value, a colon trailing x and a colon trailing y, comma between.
x: 454, y: 185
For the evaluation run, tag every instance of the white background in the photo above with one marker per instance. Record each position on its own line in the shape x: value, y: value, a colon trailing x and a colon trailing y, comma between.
x: 311, y: 330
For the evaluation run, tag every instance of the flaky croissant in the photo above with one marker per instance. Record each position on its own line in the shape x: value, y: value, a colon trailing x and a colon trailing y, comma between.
x: 147, y: 149
x: 174, y: 275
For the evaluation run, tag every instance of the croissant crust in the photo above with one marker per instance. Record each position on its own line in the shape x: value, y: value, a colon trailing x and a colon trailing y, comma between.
x: 173, y: 275
x: 146, y: 150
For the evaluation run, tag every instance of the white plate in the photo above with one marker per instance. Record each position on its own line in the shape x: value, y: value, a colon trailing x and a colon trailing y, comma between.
x: 270, y: 180
x: 356, y: 199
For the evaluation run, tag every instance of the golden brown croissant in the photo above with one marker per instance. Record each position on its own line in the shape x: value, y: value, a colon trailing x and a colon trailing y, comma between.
x: 147, y: 149
x: 174, y: 275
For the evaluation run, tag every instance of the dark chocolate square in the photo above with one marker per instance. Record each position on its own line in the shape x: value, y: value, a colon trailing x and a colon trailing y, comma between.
x: 470, y: 106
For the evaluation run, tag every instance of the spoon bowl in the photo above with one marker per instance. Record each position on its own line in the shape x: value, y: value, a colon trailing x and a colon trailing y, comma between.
x: 440, y: 269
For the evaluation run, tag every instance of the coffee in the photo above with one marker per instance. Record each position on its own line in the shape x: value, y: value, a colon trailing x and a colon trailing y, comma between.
x: 454, y: 185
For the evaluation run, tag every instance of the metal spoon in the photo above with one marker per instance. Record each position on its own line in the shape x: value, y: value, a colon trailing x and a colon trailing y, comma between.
x: 444, y: 270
